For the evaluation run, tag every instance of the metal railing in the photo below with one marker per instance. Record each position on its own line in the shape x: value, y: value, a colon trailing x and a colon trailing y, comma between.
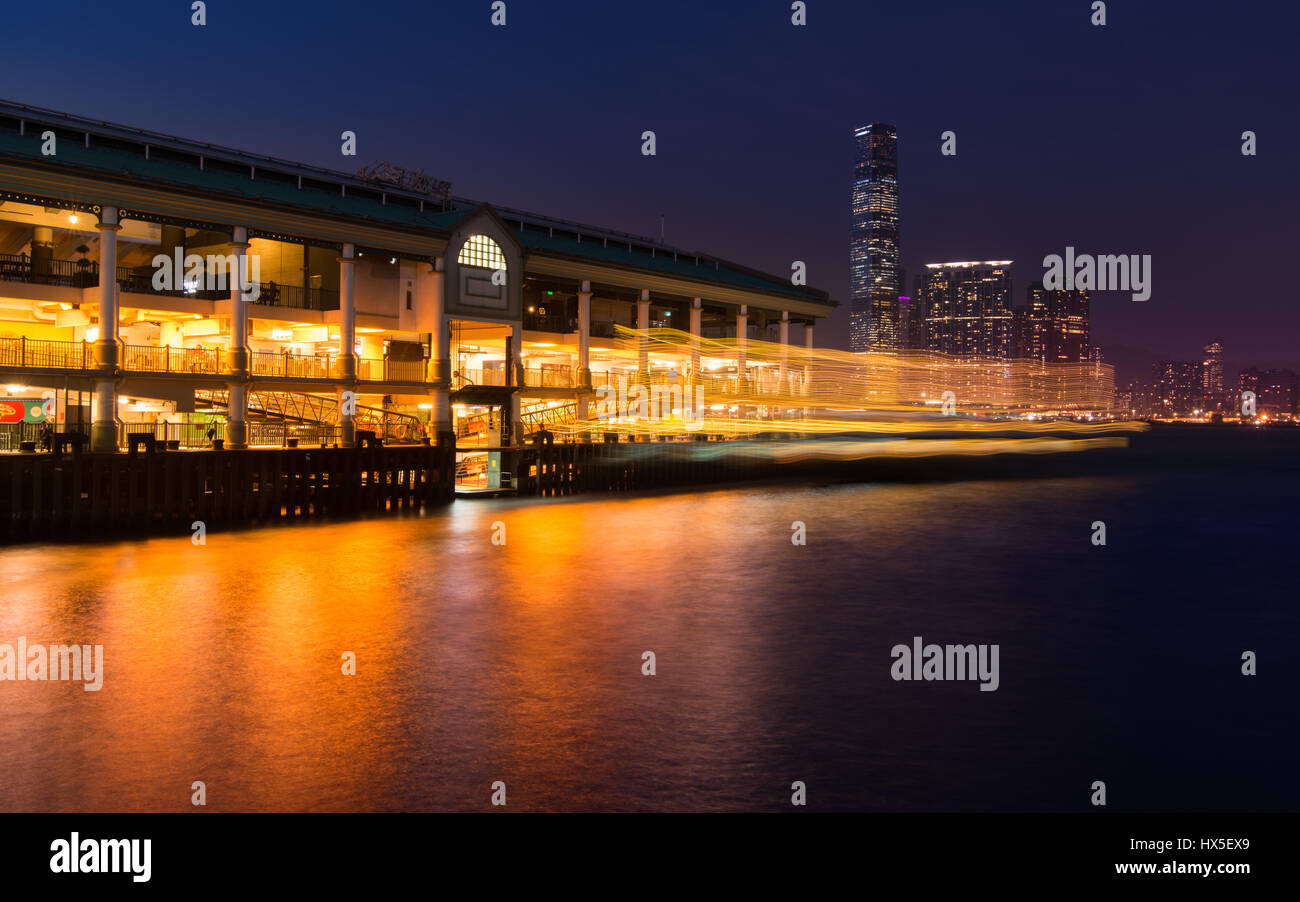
x: 44, y: 354
x: 139, y: 280
x: 84, y: 273
x: 81, y: 273
x: 279, y: 363
x: 281, y: 434
x: 549, y: 377
x: 386, y: 370
x: 275, y: 294
x: 164, y: 359
x: 539, y: 416
x: 12, y: 435
x: 188, y: 436
x: 611, y: 379
x: 550, y: 322
x: 462, y: 378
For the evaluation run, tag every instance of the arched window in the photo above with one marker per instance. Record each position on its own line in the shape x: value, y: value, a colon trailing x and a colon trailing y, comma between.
x: 480, y: 250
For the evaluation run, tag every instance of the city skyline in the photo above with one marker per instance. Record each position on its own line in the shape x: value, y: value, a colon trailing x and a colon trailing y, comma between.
x: 575, y: 408
x: 714, y: 149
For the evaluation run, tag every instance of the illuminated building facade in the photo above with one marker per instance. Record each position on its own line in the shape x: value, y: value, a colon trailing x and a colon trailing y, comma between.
x: 874, y: 265
x: 1176, y: 386
x: 1057, y: 326
x: 1212, y: 376
x: 1276, y: 392
x: 371, y: 302
x: 968, y: 309
x: 911, y: 319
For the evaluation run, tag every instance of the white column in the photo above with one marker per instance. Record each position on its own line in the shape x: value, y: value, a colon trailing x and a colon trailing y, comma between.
x: 104, y: 421
x: 347, y: 348
x: 697, y: 312
x: 643, y: 335
x: 440, y: 357
x: 515, y: 364
x: 807, y: 368
x: 237, y: 385
x: 742, y: 337
x: 584, y: 348
x: 785, y: 350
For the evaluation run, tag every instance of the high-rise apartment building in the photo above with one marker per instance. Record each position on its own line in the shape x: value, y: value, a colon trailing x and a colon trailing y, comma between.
x: 874, y: 265
x: 968, y: 309
x: 1176, y: 386
x: 1212, y: 376
x: 1058, y: 329
x: 911, y: 322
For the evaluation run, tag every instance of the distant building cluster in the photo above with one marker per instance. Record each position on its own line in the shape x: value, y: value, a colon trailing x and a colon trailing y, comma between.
x: 963, y: 309
x: 1198, y: 389
x: 967, y: 311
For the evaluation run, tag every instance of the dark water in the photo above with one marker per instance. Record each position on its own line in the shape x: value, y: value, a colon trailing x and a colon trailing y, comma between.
x: 522, y: 663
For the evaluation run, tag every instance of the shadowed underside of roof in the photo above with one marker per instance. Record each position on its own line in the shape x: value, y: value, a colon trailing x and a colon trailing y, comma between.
x: 136, y: 156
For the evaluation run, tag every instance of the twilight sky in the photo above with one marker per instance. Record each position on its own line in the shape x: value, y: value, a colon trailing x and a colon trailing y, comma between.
x: 1116, y: 139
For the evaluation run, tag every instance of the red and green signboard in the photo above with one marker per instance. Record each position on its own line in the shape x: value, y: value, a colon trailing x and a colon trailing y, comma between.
x: 22, y: 410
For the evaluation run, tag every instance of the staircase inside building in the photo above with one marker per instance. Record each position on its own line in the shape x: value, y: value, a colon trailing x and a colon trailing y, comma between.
x: 289, y: 408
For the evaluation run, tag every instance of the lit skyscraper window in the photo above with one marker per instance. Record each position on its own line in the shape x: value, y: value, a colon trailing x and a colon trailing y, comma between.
x: 875, y: 280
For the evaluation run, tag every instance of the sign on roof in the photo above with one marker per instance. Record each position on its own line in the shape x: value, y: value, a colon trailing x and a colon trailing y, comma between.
x: 400, y: 177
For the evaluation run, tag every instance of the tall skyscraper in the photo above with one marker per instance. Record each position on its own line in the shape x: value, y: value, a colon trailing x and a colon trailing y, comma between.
x: 874, y: 264
x: 1212, y: 376
x: 1058, y: 325
x: 968, y: 309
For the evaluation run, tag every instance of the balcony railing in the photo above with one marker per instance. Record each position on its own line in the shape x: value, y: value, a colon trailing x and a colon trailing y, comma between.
x: 274, y: 294
x: 463, y: 378
x: 149, y: 359
x: 71, y: 273
x: 550, y: 322
x: 84, y: 273
x: 386, y: 370
x: 277, y: 363
x: 42, y: 354
x: 303, y: 434
x: 549, y: 378
x: 189, y: 436
x: 139, y: 280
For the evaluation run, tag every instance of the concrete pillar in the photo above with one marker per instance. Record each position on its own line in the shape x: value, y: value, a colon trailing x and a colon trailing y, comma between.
x: 584, y: 348
x: 237, y: 384
x: 697, y: 314
x: 785, y: 350
x: 807, y: 368
x: 515, y: 364
x: 643, y: 335
x: 440, y: 358
x: 104, y: 420
x: 742, y: 338
x: 42, y: 253
x: 347, y: 347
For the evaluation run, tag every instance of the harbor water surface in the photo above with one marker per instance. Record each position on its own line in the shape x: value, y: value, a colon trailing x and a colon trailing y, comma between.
x: 478, y: 662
